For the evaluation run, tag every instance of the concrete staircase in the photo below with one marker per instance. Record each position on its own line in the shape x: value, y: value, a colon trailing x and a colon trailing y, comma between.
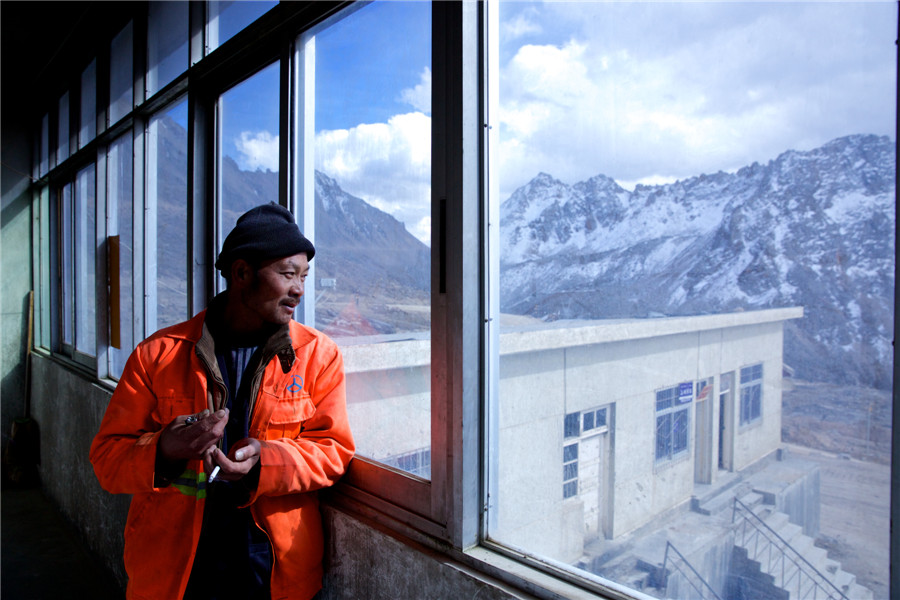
x: 738, y: 566
x: 773, y: 557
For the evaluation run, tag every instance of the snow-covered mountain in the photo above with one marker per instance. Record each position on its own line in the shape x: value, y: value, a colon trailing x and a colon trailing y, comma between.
x: 812, y: 229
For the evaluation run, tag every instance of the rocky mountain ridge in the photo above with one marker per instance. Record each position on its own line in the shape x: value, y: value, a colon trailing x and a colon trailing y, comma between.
x: 812, y: 229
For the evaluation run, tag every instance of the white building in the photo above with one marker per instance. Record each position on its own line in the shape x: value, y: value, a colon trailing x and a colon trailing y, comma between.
x: 603, y: 425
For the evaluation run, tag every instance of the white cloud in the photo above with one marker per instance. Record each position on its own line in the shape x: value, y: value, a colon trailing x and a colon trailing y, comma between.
x: 422, y: 229
x: 419, y: 97
x: 715, y: 90
x: 386, y: 164
x: 257, y: 150
x: 520, y: 25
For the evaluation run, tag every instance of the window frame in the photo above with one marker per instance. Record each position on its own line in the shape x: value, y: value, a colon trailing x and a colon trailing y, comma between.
x: 445, y: 506
x: 751, y: 395
x: 675, y: 410
x: 58, y: 306
x: 441, y: 506
x: 112, y: 213
x: 87, y: 125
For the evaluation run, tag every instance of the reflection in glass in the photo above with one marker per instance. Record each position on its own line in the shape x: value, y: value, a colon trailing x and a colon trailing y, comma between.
x: 371, y: 178
x: 701, y: 243
x: 248, y: 146
x: 88, y: 127
x: 120, y: 184
x: 167, y: 43
x: 121, y: 69
x: 167, y: 273
x: 227, y: 17
x: 85, y: 261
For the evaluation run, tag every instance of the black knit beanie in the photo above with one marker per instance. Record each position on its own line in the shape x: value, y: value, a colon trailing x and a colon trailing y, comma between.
x: 264, y: 232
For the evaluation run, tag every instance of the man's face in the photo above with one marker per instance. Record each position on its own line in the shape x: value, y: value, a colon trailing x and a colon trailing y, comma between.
x: 275, y: 290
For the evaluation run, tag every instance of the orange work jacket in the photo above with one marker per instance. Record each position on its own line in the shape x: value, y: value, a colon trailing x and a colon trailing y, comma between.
x: 299, y: 416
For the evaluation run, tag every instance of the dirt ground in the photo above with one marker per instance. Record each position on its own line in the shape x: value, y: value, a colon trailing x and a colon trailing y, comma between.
x: 847, y: 431
x: 855, y: 421
x: 855, y: 517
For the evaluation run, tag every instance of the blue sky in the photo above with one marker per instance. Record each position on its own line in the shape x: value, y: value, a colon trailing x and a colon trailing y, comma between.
x: 372, y: 110
x: 643, y: 92
x: 657, y: 91
x: 359, y: 77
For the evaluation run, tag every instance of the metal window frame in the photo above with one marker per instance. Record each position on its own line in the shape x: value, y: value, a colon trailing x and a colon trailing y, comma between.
x: 746, y: 400
x: 448, y: 505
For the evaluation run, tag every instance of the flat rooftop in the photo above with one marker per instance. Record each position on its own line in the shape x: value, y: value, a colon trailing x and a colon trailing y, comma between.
x: 517, y: 335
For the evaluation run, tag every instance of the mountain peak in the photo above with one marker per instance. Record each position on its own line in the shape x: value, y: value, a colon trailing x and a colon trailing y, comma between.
x: 810, y: 228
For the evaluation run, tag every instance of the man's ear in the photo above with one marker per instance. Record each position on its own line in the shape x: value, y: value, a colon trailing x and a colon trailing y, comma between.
x: 241, y: 272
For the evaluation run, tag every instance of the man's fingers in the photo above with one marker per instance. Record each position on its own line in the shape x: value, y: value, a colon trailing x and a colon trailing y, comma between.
x: 191, y: 419
x: 209, y: 459
x: 245, y: 449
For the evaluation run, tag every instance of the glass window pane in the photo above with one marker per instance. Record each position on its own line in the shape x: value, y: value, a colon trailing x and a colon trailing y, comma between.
x: 571, y: 425
x: 167, y: 239
x: 121, y: 72
x: 62, y: 145
x: 227, y: 17
x: 372, y: 192
x: 248, y: 146
x: 85, y: 262
x: 679, y: 431
x: 167, y: 43
x: 66, y: 264
x: 695, y: 192
x: 120, y: 173
x: 88, y: 128
x: 588, y: 421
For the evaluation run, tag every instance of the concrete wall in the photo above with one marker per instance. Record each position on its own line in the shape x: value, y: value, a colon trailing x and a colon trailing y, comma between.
x: 531, y: 513
x: 68, y: 409
x: 389, y: 396
x: 799, y: 499
x: 15, y: 267
x: 542, y: 380
x: 712, y: 561
x: 364, y: 560
x: 633, y: 372
x: 742, y: 347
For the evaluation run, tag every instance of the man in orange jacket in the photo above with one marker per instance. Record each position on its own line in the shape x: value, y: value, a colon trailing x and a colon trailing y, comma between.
x: 224, y: 427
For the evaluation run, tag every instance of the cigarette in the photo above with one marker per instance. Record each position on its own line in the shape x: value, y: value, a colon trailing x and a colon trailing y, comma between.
x: 212, y: 476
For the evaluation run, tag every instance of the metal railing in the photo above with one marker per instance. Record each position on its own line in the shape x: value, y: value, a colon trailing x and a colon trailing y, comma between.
x: 792, y: 572
x: 680, y: 564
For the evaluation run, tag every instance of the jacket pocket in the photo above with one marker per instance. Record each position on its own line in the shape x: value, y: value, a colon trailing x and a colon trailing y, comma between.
x: 288, y: 415
x: 170, y: 404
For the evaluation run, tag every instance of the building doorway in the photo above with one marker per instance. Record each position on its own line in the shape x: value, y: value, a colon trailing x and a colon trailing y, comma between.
x: 703, y: 430
x: 726, y: 422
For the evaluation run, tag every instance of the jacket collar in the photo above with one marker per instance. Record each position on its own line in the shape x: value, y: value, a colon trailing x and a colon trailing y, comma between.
x: 278, y: 344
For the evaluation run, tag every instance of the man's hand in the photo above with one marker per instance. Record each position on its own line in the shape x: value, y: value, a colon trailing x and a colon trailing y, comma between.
x: 241, y: 459
x: 192, y: 436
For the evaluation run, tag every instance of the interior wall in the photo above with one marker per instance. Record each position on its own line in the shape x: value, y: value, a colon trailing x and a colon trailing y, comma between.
x: 363, y: 560
x: 15, y: 267
x: 68, y: 410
